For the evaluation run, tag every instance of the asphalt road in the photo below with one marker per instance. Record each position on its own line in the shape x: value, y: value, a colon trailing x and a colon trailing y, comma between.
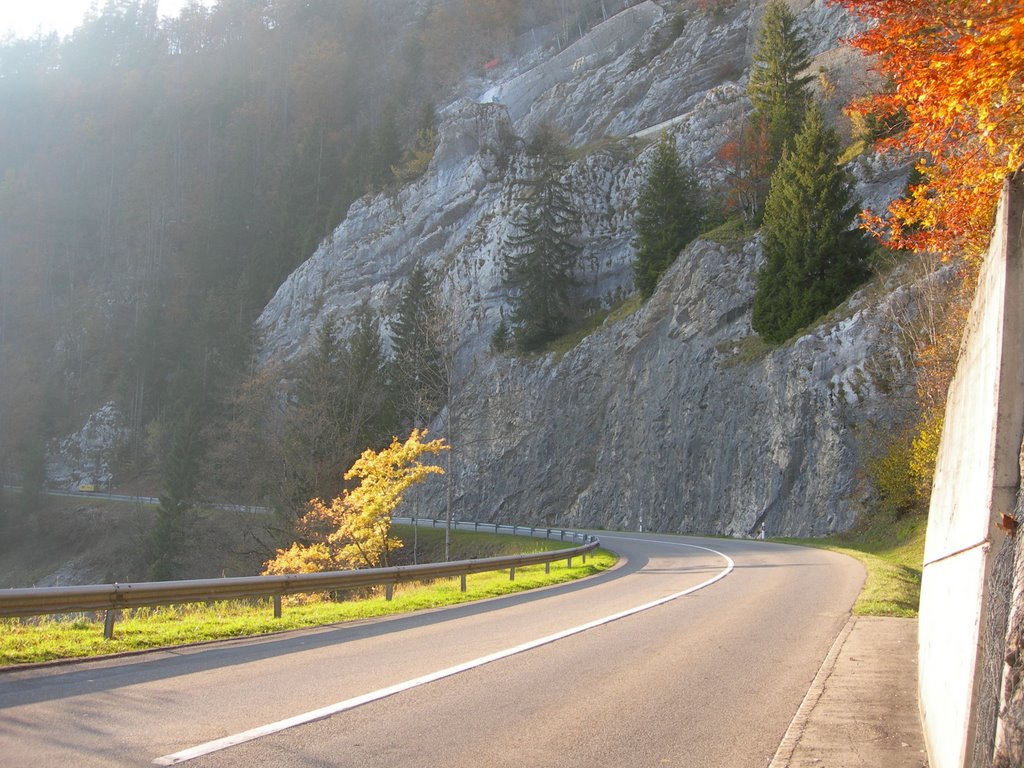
x: 711, y: 678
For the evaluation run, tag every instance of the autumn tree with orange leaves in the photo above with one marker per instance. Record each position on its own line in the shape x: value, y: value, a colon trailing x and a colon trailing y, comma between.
x: 955, y: 74
x: 956, y: 68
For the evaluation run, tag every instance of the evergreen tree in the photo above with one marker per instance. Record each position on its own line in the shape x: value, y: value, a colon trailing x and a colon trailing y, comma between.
x: 418, y: 367
x: 776, y: 89
x: 366, y: 412
x: 668, y: 216
x: 312, y: 431
x: 176, y: 512
x: 813, y: 254
x: 543, y: 255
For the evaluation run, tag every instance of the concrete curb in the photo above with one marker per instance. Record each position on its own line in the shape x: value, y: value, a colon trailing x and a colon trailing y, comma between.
x: 784, y: 754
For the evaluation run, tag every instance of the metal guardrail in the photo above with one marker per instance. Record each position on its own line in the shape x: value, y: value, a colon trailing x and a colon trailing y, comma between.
x: 514, y: 530
x: 37, y: 601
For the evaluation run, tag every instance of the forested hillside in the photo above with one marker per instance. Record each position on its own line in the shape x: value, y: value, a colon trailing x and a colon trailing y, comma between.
x: 608, y: 250
x: 160, y: 178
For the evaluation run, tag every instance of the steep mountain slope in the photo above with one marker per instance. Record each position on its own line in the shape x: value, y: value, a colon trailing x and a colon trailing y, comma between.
x: 675, y: 416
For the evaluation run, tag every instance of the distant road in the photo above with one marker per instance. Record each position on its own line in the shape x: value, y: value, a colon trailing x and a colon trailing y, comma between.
x: 709, y: 679
x: 154, y: 500
x: 107, y: 496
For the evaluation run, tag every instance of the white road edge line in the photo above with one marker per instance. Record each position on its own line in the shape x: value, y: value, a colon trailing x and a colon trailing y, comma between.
x: 333, y: 709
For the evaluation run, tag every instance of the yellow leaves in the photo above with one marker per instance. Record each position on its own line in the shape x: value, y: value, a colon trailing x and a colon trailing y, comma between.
x: 301, y: 559
x: 353, y: 530
x: 924, y: 450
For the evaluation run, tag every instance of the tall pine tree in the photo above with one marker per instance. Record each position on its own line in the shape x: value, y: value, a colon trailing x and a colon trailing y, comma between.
x: 542, y: 257
x: 418, y: 370
x: 777, y: 90
x: 814, y: 256
x: 340, y: 407
x: 176, y: 514
x: 313, y: 456
x: 366, y: 408
x: 668, y: 216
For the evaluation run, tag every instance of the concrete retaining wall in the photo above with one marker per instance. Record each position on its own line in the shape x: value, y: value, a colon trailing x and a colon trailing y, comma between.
x: 976, y: 482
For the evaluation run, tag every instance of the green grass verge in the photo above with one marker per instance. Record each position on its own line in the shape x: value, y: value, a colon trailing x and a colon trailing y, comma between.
x: 734, y: 231
x: 63, y: 637
x: 892, y: 551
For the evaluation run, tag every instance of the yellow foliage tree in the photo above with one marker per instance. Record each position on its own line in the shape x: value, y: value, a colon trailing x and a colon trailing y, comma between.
x: 353, y: 530
x: 924, y: 450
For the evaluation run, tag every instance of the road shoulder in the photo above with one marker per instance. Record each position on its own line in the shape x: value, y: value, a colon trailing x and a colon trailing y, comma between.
x: 861, y: 710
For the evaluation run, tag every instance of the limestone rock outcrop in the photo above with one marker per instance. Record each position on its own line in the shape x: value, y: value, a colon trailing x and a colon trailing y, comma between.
x: 676, y: 417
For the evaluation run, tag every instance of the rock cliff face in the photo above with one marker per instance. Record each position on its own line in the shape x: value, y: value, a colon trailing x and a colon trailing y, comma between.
x: 84, y: 458
x: 678, y: 419
x: 674, y: 416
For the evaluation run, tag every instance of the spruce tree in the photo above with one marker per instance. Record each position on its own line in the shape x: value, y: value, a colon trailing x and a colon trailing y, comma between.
x: 339, y: 409
x: 668, y: 216
x: 814, y: 256
x: 176, y: 514
x: 366, y: 412
x: 542, y: 257
x: 418, y: 370
x: 777, y: 90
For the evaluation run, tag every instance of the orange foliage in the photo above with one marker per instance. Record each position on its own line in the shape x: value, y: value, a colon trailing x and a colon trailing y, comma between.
x: 957, y: 69
x: 745, y: 162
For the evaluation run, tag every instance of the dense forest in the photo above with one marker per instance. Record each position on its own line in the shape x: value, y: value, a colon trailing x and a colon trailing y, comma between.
x: 160, y: 177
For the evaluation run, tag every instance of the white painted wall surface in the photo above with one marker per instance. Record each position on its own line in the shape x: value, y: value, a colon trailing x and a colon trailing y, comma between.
x: 976, y: 481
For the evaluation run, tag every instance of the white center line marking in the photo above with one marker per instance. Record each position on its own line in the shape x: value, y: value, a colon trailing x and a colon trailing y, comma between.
x: 333, y: 709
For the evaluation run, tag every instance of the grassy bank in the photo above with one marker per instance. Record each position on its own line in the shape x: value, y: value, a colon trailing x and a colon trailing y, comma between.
x: 49, y: 638
x: 892, y: 550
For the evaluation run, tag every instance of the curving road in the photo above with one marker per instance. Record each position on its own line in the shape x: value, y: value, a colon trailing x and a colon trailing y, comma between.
x: 709, y: 678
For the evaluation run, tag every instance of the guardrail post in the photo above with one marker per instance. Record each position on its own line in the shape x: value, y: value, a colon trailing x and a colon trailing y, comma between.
x: 108, y: 624
x: 512, y: 573
x: 277, y: 606
x: 547, y: 567
x: 584, y: 558
x: 568, y: 563
x: 463, y: 582
x: 389, y: 592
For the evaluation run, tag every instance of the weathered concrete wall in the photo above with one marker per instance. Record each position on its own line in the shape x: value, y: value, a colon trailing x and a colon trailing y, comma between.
x: 976, y: 482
